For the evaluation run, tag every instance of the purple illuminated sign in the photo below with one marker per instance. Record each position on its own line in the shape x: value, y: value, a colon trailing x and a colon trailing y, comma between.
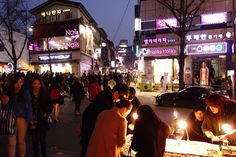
x: 159, y: 51
x: 73, y: 38
x: 162, y: 23
x: 214, y: 18
x: 159, y: 41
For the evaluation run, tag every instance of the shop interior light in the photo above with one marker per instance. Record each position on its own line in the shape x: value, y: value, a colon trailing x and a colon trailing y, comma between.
x: 227, y: 128
x: 68, y: 38
x: 53, y: 43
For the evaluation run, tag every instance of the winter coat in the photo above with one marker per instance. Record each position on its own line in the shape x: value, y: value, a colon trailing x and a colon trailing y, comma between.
x: 108, y: 136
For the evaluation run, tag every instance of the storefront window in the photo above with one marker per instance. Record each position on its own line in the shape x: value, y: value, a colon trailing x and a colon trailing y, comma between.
x: 58, y: 43
x: 63, y: 68
x: 166, y: 66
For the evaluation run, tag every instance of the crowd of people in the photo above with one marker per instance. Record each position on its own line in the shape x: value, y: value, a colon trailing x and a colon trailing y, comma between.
x: 29, y: 103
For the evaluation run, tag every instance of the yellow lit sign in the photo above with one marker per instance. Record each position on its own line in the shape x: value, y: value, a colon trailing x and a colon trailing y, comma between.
x: 54, y: 12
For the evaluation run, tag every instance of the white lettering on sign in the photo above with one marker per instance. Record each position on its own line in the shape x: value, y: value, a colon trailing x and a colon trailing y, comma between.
x: 54, y: 12
x: 55, y: 57
x: 159, y: 41
x: 196, y: 37
x: 158, y: 52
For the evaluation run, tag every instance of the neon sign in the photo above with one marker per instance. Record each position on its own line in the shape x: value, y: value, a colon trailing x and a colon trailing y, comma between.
x: 204, y: 36
x: 72, y: 32
x: 162, y: 23
x: 207, y: 48
x: 158, y: 51
x: 54, y: 12
x: 214, y: 18
x: 55, y: 57
x: 159, y: 41
x: 73, y: 36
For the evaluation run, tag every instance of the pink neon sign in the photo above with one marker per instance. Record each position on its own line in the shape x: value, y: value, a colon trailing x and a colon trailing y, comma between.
x: 214, y: 18
x: 159, y: 52
x: 159, y: 41
x: 162, y: 23
x: 73, y: 37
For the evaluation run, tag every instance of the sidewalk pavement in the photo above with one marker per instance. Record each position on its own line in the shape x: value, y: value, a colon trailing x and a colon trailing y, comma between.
x: 62, y: 140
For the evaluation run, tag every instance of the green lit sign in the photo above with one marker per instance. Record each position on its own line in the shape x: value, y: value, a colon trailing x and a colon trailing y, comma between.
x: 54, y: 12
x: 137, y: 50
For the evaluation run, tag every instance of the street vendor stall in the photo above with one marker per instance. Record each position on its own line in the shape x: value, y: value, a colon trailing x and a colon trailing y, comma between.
x: 188, y: 148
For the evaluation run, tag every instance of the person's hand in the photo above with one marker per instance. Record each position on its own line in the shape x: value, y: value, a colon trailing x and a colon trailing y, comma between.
x: 215, y: 139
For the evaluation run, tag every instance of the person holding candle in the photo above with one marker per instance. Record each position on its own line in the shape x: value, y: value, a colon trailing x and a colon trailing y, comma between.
x: 220, y: 111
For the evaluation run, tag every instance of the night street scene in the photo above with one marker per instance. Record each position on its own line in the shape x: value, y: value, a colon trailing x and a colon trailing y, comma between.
x: 117, y: 78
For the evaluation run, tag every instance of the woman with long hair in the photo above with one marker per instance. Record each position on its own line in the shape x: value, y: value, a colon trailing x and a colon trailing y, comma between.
x: 150, y: 133
x: 21, y: 101
x: 42, y: 107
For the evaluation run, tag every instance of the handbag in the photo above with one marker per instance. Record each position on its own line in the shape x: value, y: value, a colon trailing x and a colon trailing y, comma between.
x: 7, y: 121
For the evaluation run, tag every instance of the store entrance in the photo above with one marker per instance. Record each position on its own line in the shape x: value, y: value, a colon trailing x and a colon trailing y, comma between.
x: 213, y: 62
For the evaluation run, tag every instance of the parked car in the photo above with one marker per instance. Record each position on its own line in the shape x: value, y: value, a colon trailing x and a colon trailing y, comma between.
x: 187, y: 97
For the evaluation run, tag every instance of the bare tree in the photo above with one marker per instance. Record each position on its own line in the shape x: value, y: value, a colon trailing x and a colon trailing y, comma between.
x: 184, y: 11
x: 13, y: 18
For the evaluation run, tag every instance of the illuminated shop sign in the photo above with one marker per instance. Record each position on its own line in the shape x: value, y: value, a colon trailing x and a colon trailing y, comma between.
x: 214, y: 18
x: 55, y: 57
x: 158, y: 51
x: 205, y: 36
x: 122, y: 50
x: 207, y: 48
x: 72, y: 35
x: 54, y: 12
x: 162, y: 23
x: 159, y: 41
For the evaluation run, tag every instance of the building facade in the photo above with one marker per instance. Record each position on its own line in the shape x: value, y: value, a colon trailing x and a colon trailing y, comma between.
x: 209, y: 40
x: 6, y: 63
x: 66, y: 38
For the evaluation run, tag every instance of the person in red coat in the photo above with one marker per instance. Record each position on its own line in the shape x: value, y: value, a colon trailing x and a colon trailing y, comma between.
x: 93, y: 88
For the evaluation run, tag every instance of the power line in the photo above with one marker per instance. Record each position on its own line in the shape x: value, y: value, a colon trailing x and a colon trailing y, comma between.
x: 114, y: 37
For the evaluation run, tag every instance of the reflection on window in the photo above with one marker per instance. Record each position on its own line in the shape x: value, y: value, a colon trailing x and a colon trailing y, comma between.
x: 58, y: 43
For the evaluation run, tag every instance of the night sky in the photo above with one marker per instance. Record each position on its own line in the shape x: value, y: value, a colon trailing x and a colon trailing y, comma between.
x: 108, y: 14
